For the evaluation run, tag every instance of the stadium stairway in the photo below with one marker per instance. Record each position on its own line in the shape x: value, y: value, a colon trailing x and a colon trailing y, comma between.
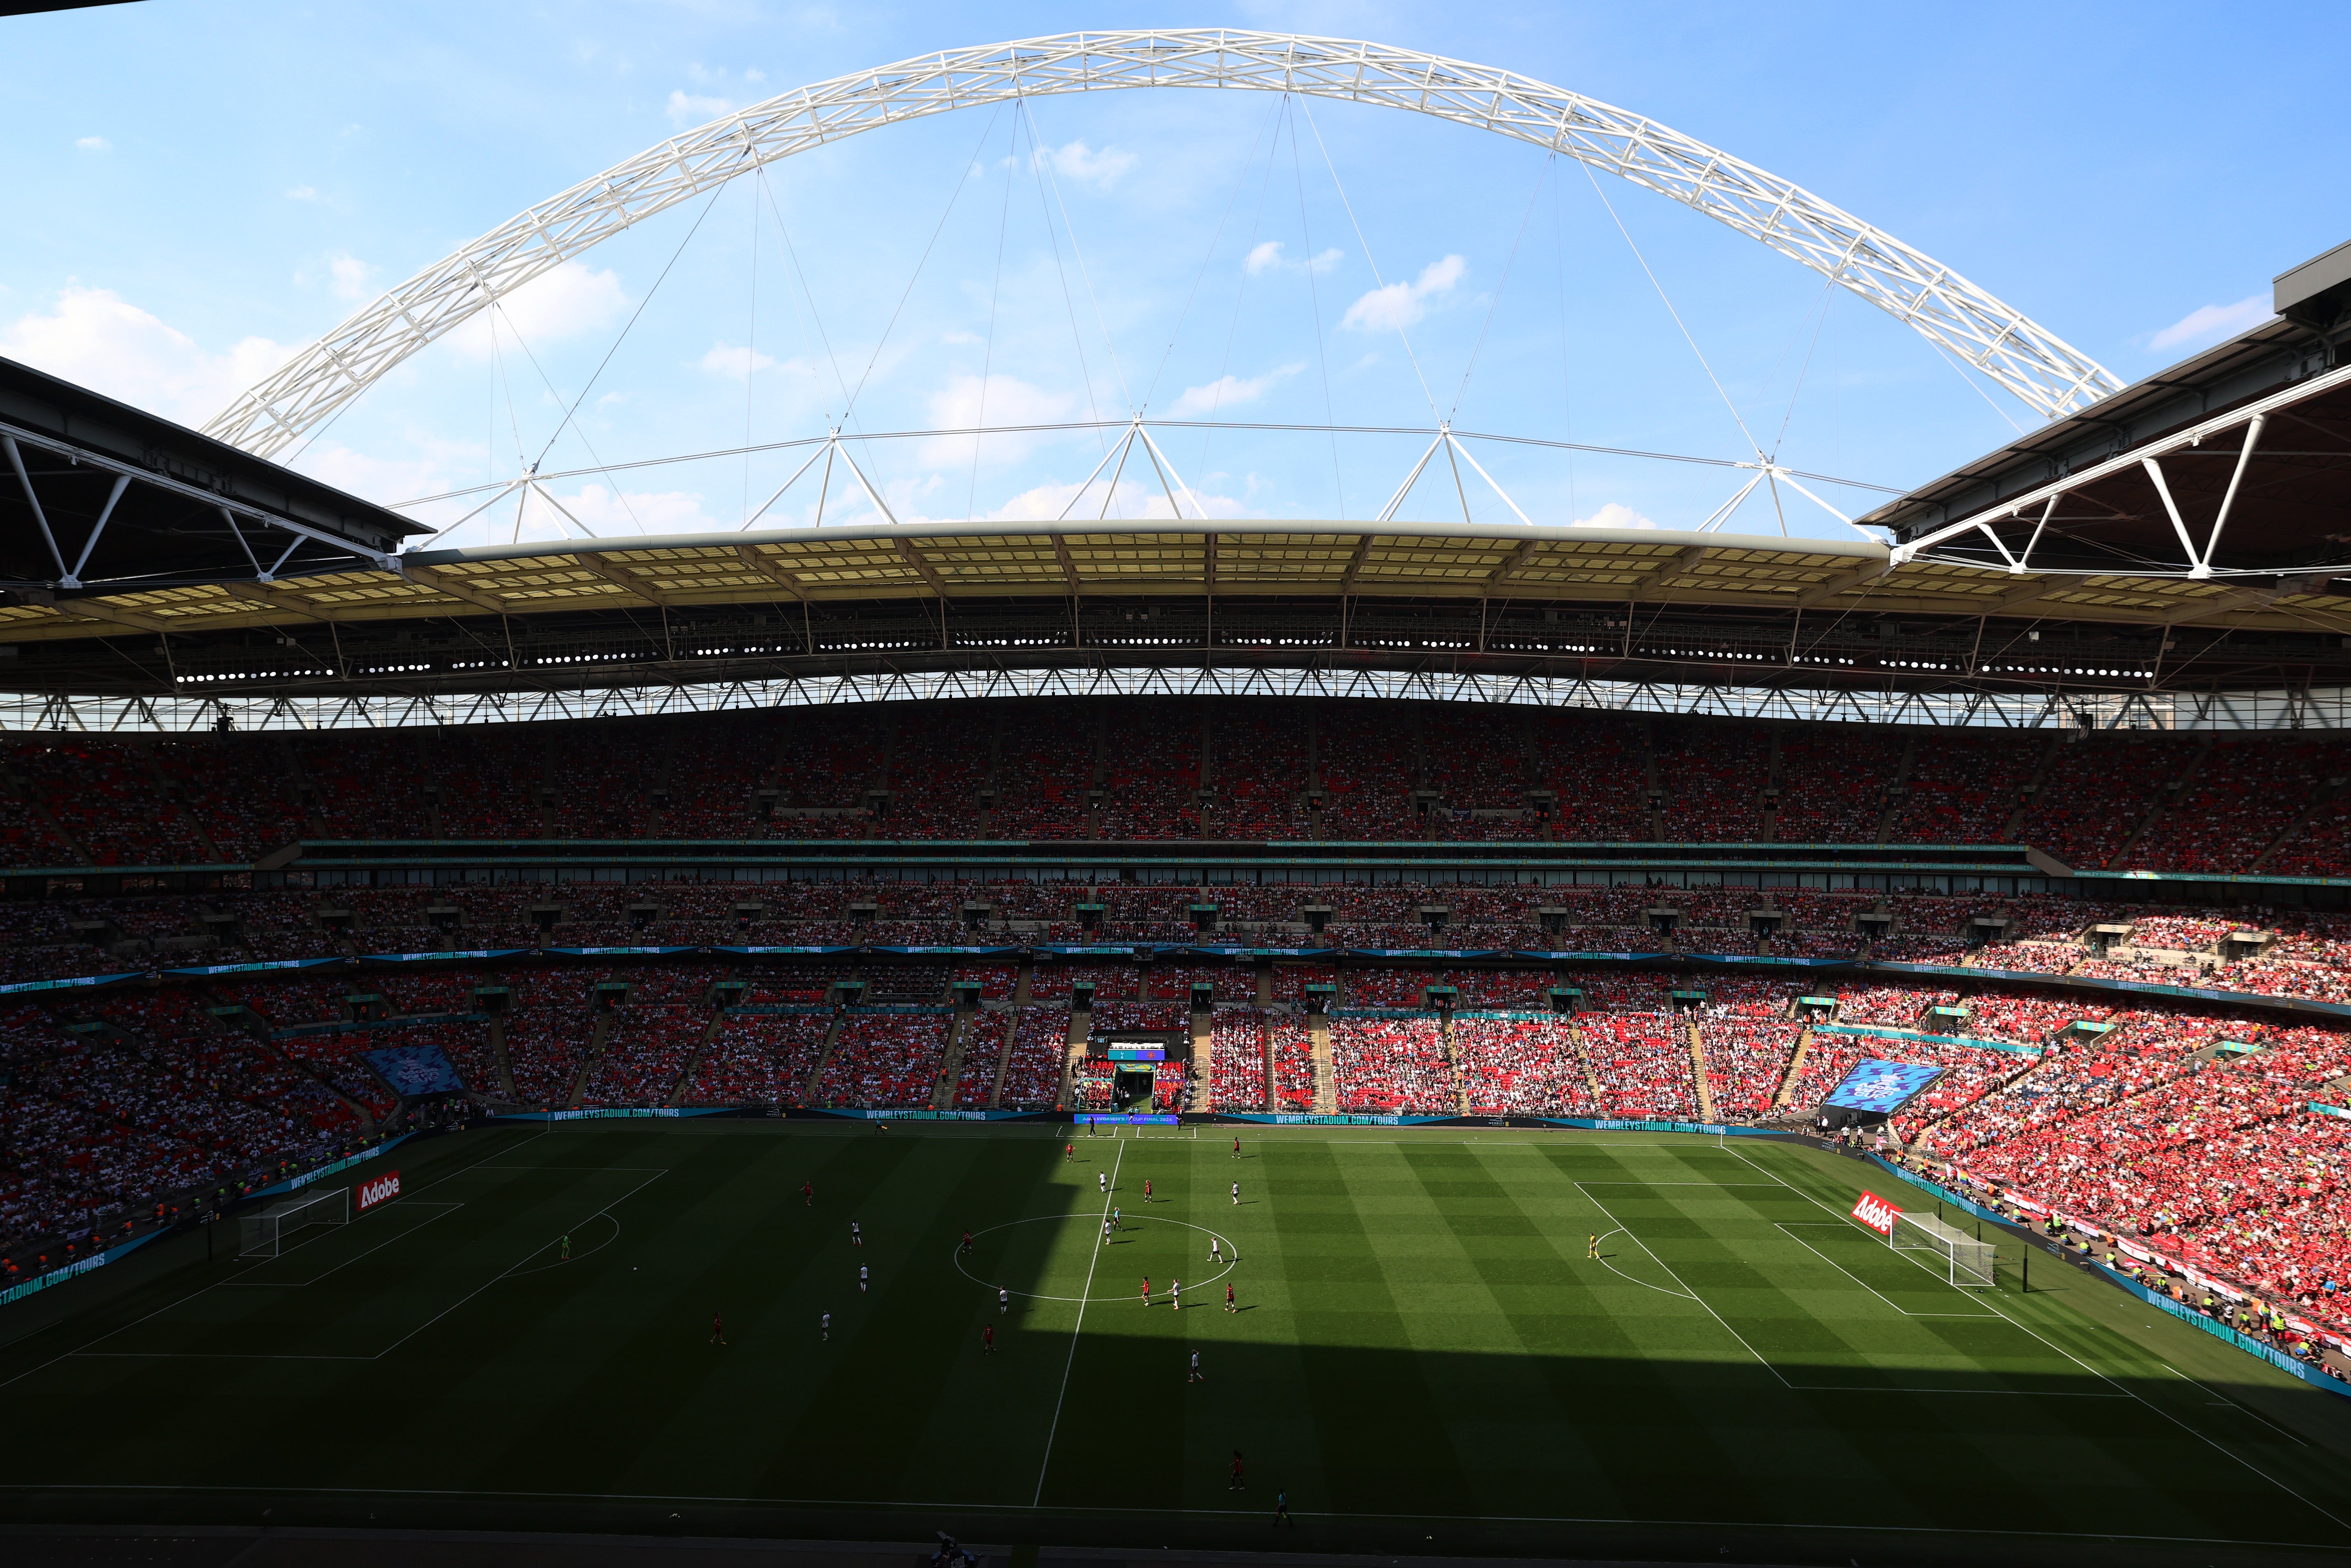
x: 1073, y: 1053
x: 1795, y: 1070
x: 2331, y: 790
x: 1897, y: 791
x: 823, y: 1058
x: 1265, y: 1040
x: 1326, y: 1082
x: 595, y: 1054
x: 1203, y: 1053
x: 1699, y: 1071
x: 498, y: 1056
x: 2164, y: 799
x: 1583, y: 1060
x: 1453, y: 1061
x: 951, y: 1063
x: 1011, y: 1038
x: 2029, y: 790
x: 693, y: 1060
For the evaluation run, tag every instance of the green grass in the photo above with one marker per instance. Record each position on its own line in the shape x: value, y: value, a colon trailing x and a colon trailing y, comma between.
x: 1425, y: 1359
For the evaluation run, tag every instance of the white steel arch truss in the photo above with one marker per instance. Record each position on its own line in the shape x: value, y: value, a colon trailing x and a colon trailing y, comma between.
x: 2040, y: 369
x: 2276, y: 708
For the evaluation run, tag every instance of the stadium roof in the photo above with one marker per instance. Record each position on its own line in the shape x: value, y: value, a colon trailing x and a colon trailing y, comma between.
x: 99, y: 498
x: 976, y: 561
x: 143, y: 559
x: 2234, y: 461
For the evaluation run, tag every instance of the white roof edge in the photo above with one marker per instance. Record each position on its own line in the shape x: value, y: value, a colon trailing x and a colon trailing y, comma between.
x: 1842, y: 550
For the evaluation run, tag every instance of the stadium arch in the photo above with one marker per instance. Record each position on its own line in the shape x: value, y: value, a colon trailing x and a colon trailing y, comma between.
x: 2040, y: 369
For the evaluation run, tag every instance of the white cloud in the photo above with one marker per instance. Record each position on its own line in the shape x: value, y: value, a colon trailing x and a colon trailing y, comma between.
x: 303, y: 193
x: 1076, y: 161
x: 693, y: 108
x: 1229, y: 392
x: 1267, y: 255
x: 440, y: 466
x: 959, y: 405
x: 557, y: 304
x: 349, y: 274
x: 958, y: 336
x: 638, y: 511
x: 734, y: 363
x: 2207, y: 324
x: 93, y: 337
x: 1614, y: 514
x: 94, y: 144
x: 1400, y: 304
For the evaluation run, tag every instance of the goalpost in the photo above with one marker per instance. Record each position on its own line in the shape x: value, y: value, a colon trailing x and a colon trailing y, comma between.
x: 1967, y: 1262
x: 267, y: 1232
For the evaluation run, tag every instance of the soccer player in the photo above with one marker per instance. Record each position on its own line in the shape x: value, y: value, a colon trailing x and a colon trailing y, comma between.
x: 860, y: 1276
x: 1105, y: 1229
x: 1591, y: 1247
x: 856, y: 1237
x: 718, y: 1329
x: 1282, y: 1510
x: 1229, y: 1299
x: 1236, y: 1484
x: 1236, y: 1148
x: 1146, y: 1289
x: 1069, y: 1150
x: 1236, y: 1194
x: 1196, y: 1374
x: 1215, y: 1253
x: 807, y: 1193
x: 824, y: 1327
x: 1003, y: 1298
x: 988, y: 1339
x: 566, y: 1250
x: 1175, y: 1294
x: 967, y: 1241
x: 1116, y: 1223
x: 1104, y: 1177
x: 1146, y: 1190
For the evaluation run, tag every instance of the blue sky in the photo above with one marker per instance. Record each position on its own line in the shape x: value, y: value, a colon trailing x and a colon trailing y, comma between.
x: 199, y: 186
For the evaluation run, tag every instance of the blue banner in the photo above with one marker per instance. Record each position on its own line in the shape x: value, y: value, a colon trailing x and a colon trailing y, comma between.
x: 1125, y: 1119
x: 762, y: 952
x: 415, y: 1071
x: 478, y: 953
x: 81, y: 981
x: 39, y: 1282
x: 950, y: 952
x: 1882, y: 1086
x: 255, y: 969
x: 622, y: 952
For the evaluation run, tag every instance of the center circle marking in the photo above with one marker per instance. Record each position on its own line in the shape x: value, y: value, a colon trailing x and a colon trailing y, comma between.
x: 1231, y: 1259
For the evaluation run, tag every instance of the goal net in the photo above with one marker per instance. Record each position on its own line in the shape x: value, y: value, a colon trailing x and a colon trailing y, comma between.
x: 1961, y: 1258
x: 268, y: 1231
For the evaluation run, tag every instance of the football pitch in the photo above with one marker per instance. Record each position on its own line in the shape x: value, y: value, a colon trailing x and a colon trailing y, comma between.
x: 1419, y: 1352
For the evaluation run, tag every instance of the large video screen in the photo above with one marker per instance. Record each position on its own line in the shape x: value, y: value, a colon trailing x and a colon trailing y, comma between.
x: 415, y: 1071
x: 1884, y: 1087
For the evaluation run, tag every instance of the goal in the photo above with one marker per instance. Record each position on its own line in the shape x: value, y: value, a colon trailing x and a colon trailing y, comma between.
x: 269, y: 1231
x: 1962, y: 1259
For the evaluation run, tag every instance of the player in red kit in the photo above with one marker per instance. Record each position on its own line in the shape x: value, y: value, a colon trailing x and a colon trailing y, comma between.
x: 1146, y: 1289
x: 988, y: 1339
x: 717, y: 1329
x: 807, y: 1193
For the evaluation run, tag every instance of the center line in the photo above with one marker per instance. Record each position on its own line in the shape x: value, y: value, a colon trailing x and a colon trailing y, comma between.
x: 1051, y: 1430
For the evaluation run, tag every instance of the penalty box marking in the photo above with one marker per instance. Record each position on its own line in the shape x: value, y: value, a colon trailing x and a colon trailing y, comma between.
x: 1834, y: 1224
x: 511, y: 1270
x: 1785, y: 1381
